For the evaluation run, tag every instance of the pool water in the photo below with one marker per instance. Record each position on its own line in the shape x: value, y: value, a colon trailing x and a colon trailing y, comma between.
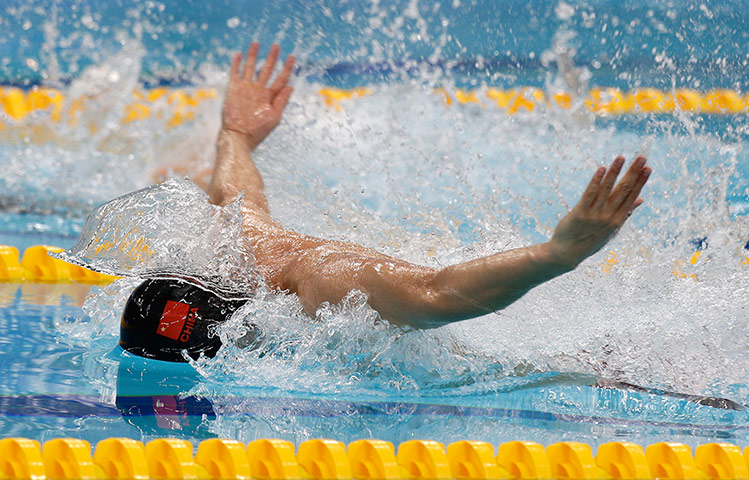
x: 93, y: 390
x: 400, y: 171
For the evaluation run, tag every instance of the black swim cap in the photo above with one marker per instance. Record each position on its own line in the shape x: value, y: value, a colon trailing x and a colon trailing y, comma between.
x: 164, y: 317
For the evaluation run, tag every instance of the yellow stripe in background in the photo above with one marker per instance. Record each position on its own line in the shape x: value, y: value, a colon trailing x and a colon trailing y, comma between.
x: 175, y: 105
x: 599, y: 100
x: 608, y: 101
x: 168, y: 458
x: 179, y: 105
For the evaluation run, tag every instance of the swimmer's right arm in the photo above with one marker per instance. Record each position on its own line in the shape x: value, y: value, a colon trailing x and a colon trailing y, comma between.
x: 251, y: 111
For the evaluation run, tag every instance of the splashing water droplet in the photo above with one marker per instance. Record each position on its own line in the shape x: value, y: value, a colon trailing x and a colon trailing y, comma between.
x: 233, y: 22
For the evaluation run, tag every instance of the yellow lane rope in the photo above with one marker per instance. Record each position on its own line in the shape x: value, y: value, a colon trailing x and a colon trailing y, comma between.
x: 37, y: 266
x: 168, y: 458
x: 179, y: 105
x: 607, y: 101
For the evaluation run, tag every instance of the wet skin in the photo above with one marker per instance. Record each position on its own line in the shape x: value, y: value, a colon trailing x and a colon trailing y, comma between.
x: 320, y: 271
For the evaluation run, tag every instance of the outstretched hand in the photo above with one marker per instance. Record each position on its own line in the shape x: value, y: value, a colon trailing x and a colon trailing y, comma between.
x: 602, y: 210
x: 251, y: 108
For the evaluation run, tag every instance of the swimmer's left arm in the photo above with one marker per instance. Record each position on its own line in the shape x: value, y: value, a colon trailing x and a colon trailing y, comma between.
x: 426, y: 298
x: 491, y: 283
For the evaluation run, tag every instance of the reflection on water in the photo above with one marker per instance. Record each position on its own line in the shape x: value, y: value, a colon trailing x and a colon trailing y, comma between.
x: 162, y: 400
x: 152, y: 397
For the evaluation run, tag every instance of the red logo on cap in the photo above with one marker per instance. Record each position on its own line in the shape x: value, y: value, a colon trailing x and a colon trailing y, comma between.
x: 177, y: 321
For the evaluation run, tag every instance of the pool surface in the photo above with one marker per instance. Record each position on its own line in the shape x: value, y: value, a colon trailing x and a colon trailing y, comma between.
x: 97, y: 391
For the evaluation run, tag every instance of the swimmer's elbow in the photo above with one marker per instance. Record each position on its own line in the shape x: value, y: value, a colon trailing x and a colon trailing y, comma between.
x: 436, y: 307
x: 418, y: 299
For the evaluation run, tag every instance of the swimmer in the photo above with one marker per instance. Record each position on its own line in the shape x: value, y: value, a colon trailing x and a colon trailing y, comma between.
x: 320, y: 271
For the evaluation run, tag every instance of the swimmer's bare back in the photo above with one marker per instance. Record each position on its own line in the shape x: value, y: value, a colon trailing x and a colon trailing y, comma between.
x: 320, y: 271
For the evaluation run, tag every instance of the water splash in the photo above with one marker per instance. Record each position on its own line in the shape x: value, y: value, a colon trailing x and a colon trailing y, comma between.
x: 100, y: 319
x: 401, y: 172
x: 467, y: 182
x: 166, y: 230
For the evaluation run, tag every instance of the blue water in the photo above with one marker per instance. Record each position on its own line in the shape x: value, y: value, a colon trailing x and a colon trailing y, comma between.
x: 55, y: 388
x: 692, y: 43
x: 400, y: 172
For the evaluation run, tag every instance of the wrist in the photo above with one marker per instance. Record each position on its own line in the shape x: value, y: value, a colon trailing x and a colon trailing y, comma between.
x: 245, y: 140
x: 556, y: 257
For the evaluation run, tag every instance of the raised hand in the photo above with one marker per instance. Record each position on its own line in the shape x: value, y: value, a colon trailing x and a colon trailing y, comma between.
x: 602, y: 210
x: 251, y: 108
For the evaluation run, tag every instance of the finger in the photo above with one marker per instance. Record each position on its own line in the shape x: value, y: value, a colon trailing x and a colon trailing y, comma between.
x: 624, y: 189
x: 633, y: 196
x: 628, y: 214
x: 283, y: 77
x: 608, y: 181
x: 625, y: 217
x: 235, y: 61
x: 282, y: 98
x: 270, y: 62
x: 591, y: 192
x: 249, y: 67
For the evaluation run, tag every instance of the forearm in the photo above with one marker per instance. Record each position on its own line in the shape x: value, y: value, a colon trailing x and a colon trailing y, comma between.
x: 492, y: 283
x: 252, y: 109
x: 422, y: 297
x: 488, y: 284
x: 235, y: 171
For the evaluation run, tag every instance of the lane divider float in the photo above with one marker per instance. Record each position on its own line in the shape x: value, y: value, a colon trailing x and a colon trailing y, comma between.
x: 37, y: 266
x: 175, y: 105
x: 179, y: 105
x: 265, y: 459
x: 606, y: 100
x: 333, y: 96
x: 681, y: 269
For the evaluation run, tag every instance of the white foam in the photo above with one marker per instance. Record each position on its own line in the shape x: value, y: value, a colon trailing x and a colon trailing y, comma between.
x: 402, y: 172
